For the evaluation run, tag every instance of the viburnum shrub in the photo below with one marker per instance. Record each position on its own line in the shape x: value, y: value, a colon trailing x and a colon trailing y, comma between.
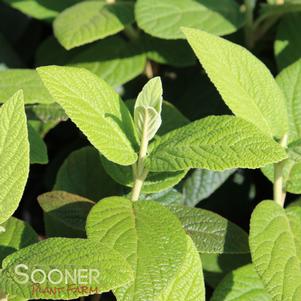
x: 121, y: 192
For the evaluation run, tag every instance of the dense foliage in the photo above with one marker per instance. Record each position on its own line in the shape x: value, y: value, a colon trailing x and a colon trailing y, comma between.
x: 150, y: 150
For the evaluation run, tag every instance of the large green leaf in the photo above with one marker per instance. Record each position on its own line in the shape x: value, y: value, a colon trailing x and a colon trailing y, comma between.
x: 210, y: 232
x: 95, y: 108
x: 191, y: 275
x: 14, y: 155
x: 82, y: 173
x: 166, y: 197
x: 113, y: 59
x: 242, y: 284
x: 89, y: 21
x: 38, y: 149
x: 294, y: 216
x: 274, y: 252
x: 148, y: 235
x: 164, y: 18
x: 288, y: 44
x: 28, y: 80
x: 244, y: 82
x: 17, y: 235
x: 64, y: 254
x: 289, y: 81
x: 41, y: 9
x: 216, y: 143
x: 65, y: 213
x: 202, y: 183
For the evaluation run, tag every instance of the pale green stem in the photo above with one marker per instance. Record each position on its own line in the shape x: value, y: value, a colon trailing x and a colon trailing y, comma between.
x: 279, y: 193
x: 139, y: 171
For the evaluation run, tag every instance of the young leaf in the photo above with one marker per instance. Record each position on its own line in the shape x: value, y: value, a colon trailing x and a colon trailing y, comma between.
x: 154, y: 182
x: 64, y: 254
x: 215, y: 143
x: 12, y: 80
x: 242, y: 284
x: 82, y: 173
x: 14, y: 155
x: 38, y: 149
x: 148, y: 107
x: 210, y: 232
x: 17, y: 235
x: 244, y: 82
x: 164, y: 18
x: 287, y: 44
x: 95, y: 108
x: 191, y: 274
x: 65, y: 212
x: 148, y: 235
x: 202, y: 183
x: 289, y: 81
x: 89, y: 21
x: 274, y: 252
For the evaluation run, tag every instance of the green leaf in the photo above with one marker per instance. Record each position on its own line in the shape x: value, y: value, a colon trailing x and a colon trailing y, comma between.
x: 242, y: 284
x: 242, y: 80
x: 148, y: 107
x: 287, y: 44
x: 148, y: 235
x: 89, y: 21
x: 14, y: 155
x: 294, y: 216
x: 65, y: 254
x: 274, y: 252
x: 291, y: 169
x: 216, y: 143
x: 41, y: 9
x: 38, y: 149
x: 164, y: 18
x: 210, y: 232
x: 175, y: 53
x: 155, y: 181
x: 95, y: 108
x: 113, y: 59
x: 13, y: 80
x: 191, y: 275
x: 82, y: 173
x: 17, y: 235
x: 289, y: 81
x: 202, y: 183
x: 66, y: 212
